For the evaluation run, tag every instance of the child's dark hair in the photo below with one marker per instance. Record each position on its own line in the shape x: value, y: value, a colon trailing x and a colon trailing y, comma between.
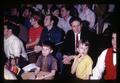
x: 86, y: 42
x: 49, y: 44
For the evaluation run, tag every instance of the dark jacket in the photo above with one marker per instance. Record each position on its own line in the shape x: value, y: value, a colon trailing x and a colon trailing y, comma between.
x: 55, y: 35
x: 69, y: 44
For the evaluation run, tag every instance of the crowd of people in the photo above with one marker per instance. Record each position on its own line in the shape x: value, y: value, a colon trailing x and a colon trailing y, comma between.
x: 60, y: 41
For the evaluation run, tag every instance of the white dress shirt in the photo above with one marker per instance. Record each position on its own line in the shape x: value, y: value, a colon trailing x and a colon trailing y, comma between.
x: 64, y: 24
x: 100, y: 66
x: 88, y: 15
x: 13, y: 47
x: 79, y: 34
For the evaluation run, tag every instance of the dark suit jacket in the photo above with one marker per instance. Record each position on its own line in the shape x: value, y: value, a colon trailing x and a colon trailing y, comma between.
x: 69, y: 43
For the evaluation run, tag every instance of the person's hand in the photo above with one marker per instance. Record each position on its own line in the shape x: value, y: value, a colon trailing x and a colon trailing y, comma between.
x: 40, y: 78
x: 79, y: 58
x: 66, y: 59
x: 65, y: 56
x: 37, y: 48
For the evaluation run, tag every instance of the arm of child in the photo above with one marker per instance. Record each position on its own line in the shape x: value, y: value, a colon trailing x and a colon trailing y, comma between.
x: 37, y: 48
x: 74, y: 66
x: 46, y: 75
x: 32, y: 43
x: 36, y: 71
x: 67, y: 59
x: 50, y: 75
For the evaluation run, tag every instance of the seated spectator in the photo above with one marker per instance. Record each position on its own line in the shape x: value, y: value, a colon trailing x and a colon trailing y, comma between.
x: 26, y: 15
x: 13, y: 48
x: 35, y: 31
x: 53, y: 33
x: 55, y: 11
x: 46, y: 64
x: 87, y: 15
x: 72, y: 42
x: 47, y: 9
x: 73, y: 36
x: 106, y: 63
x: 34, y: 35
x: 82, y: 65
x: 65, y: 18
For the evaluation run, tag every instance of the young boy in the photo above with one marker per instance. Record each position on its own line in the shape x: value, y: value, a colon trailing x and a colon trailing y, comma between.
x: 82, y: 65
x: 46, y: 64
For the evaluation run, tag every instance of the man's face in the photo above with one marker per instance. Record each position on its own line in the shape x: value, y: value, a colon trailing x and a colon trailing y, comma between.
x: 83, y: 49
x: 5, y: 30
x: 64, y: 12
x: 114, y: 40
x: 76, y: 26
x: 84, y: 6
x: 47, y: 21
x: 26, y: 13
x: 56, y: 13
x: 46, y: 50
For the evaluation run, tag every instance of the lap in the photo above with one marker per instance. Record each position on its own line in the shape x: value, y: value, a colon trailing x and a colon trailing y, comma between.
x: 30, y: 75
x: 43, y: 74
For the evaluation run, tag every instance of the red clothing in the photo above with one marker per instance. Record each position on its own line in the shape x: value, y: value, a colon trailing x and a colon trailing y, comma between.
x: 110, y: 72
x: 35, y: 33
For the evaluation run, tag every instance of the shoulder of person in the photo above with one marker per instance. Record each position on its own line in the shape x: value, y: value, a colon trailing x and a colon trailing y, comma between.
x: 40, y: 57
x: 89, y: 58
x: 105, y: 51
x: 70, y: 31
x: 102, y: 55
x: 53, y: 58
x: 16, y: 39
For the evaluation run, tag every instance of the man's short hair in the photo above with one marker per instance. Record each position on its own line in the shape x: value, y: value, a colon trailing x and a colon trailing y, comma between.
x: 75, y: 19
x: 49, y: 44
x: 67, y: 7
x: 15, y: 29
x: 54, y: 18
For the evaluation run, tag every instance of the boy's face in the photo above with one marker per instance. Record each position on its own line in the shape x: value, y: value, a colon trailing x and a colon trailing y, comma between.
x: 46, y: 50
x: 32, y: 21
x: 83, y: 49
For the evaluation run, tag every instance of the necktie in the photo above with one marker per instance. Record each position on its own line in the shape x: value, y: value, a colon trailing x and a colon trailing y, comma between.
x: 77, y: 42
